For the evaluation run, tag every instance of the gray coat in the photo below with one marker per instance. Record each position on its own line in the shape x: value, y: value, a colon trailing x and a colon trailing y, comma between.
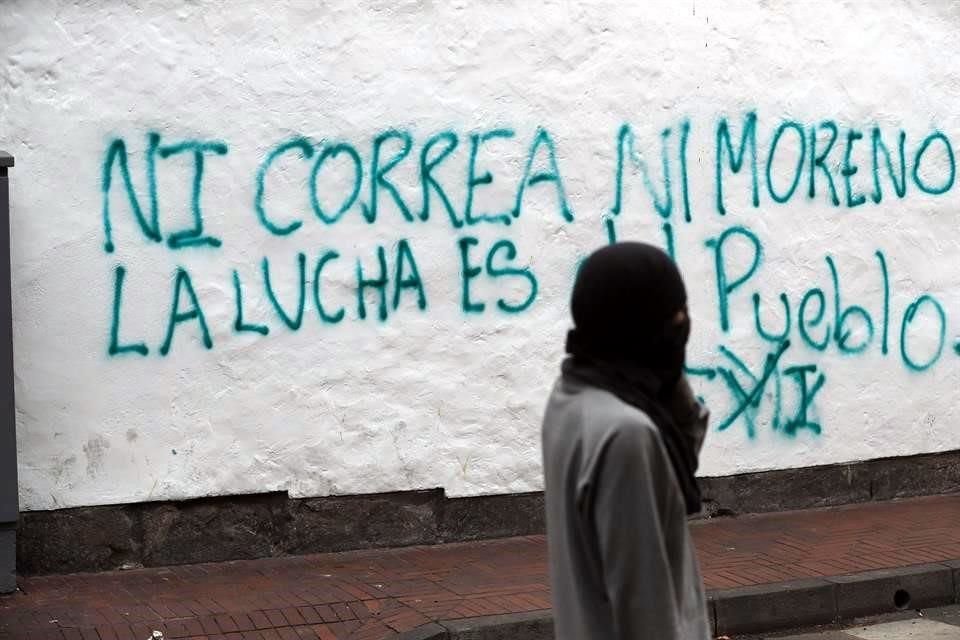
x: 622, y: 562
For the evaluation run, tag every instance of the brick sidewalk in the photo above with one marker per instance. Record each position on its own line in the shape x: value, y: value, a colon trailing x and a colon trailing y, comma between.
x: 378, y: 594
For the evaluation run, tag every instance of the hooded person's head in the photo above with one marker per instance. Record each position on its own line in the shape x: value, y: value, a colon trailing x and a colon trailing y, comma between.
x: 630, y: 333
x: 629, y: 311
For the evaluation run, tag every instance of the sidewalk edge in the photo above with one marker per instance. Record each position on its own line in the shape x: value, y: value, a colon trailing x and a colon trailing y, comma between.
x: 758, y: 608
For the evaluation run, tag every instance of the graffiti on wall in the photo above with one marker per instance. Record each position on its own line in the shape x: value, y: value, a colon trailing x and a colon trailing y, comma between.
x: 812, y: 162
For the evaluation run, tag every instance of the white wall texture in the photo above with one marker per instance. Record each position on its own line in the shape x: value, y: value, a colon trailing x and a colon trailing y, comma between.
x: 436, y: 394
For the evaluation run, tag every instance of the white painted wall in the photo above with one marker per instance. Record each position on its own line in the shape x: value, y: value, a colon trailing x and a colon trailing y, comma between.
x: 438, y: 397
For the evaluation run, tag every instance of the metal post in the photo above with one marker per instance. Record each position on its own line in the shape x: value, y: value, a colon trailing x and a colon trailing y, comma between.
x: 9, y: 503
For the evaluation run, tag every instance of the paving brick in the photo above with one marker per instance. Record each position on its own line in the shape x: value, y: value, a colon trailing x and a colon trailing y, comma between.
x: 107, y: 633
x: 323, y: 632
x: 276, y: 618
x: 225, y: 623
x: 345, y: 629
x: 403, y: 620
x: 125, y: 632
x: 260, y: 620
x: 343, y: 611
x: 293, y: 616
x: 209, y: 625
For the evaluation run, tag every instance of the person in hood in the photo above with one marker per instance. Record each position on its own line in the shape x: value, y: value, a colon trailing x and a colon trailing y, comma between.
x: 621, y: 437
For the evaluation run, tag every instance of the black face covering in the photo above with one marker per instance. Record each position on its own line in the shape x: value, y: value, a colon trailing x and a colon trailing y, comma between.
x: 626, y: 340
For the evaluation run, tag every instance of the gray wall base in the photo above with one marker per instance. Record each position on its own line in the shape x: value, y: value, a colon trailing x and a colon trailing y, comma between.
x: 265, y: 525
x: 8, y: 428
x: 8, y: 558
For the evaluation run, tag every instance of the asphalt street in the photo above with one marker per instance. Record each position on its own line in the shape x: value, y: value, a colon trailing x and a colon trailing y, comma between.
x: 932, y: 624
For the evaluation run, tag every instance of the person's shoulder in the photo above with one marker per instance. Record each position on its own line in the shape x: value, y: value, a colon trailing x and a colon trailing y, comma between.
x: 613, y: 433
x: 599, y: 416
x: 622, y: 413
x: 619, y: 420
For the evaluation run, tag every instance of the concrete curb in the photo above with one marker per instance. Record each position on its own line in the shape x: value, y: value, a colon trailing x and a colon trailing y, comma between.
x: 760, y: 608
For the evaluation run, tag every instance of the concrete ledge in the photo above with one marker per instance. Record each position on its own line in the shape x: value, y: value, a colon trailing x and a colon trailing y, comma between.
x: 832, y: 485
x: 757, y: 609
x: 503, y: 516
x: 820, y: 601
x: 273, y: 524
x: 798, y: 603
x: 361, y: 522
x: 535, y: 625
x: 888, y: 590
x: 8, y: 545
x: 71, y: 540
x: 955, y: 567
x: 178, y: 533
x: 432, y: 631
